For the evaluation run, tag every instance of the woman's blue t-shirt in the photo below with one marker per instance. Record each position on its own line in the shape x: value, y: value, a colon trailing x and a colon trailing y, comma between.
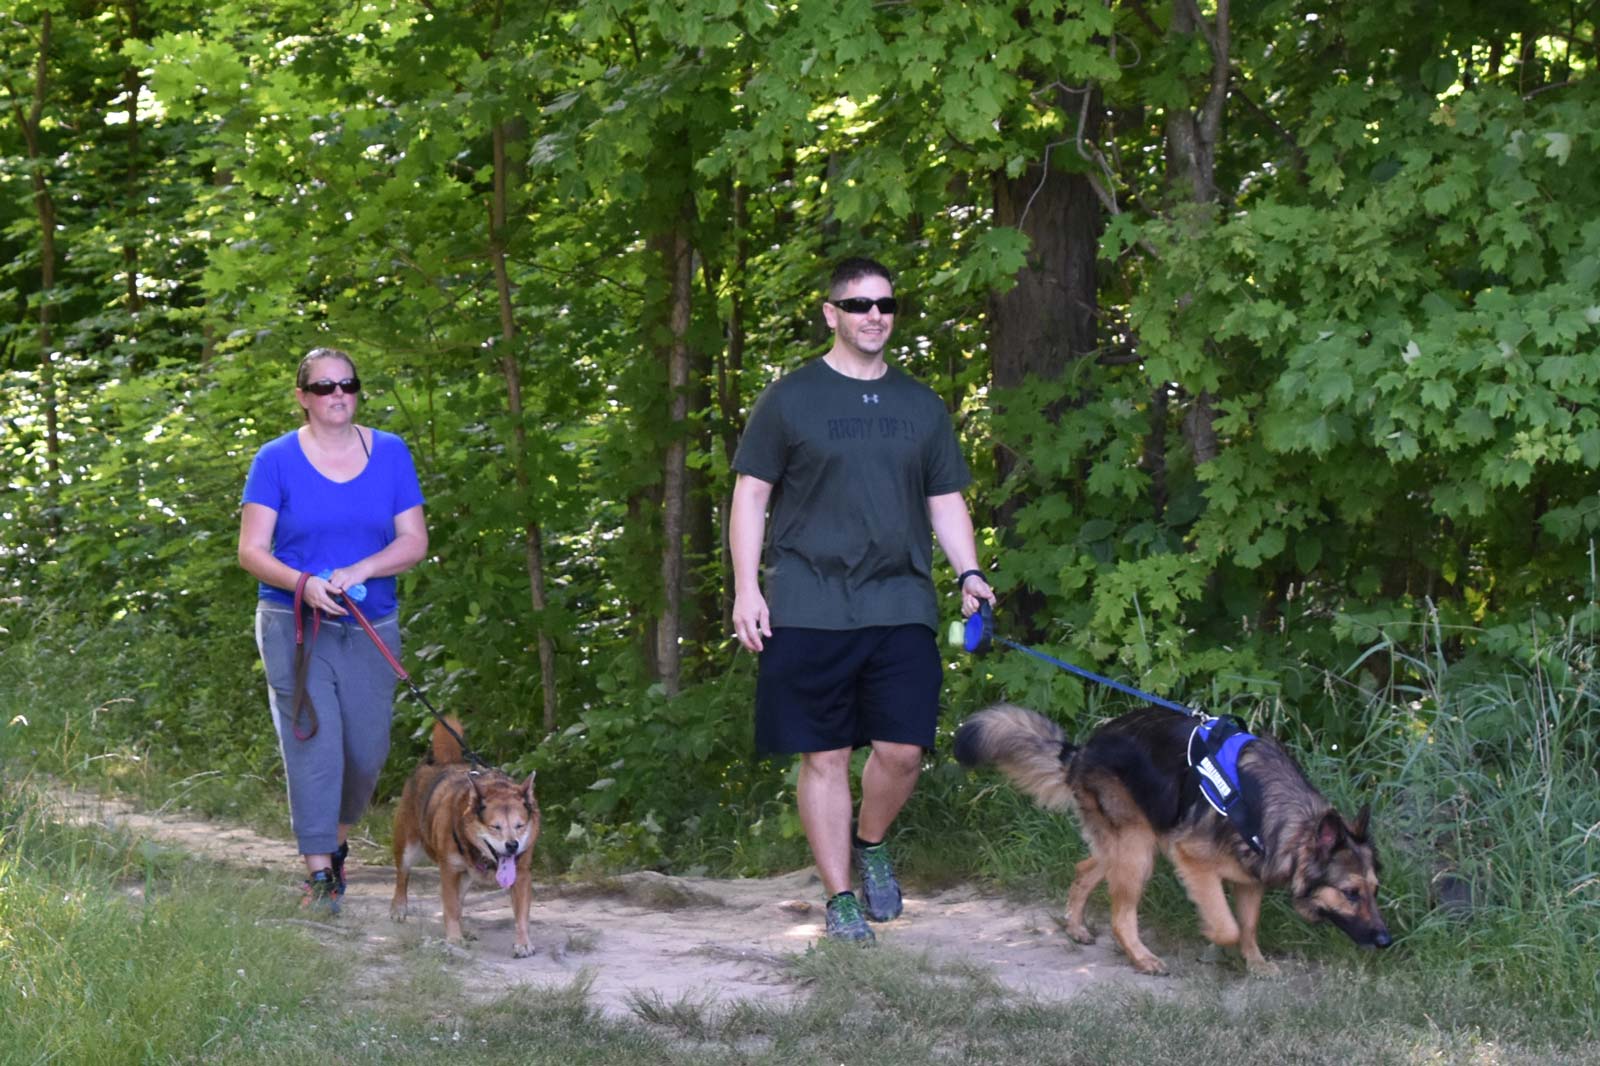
x: 325, y: 524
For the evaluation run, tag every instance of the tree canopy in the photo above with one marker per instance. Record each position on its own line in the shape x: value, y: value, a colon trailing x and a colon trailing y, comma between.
x: 1270, y: 328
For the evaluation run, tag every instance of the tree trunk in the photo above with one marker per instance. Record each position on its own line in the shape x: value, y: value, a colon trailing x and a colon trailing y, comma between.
x: 220, y: 179
x: 1047, y: 319
x: 131, y: 83
x: 730, y: 371
x: 1155, y: 453
x: 511, y: 370
x: 45, y: 208
x: 702, y: 572
x: 644, y: 504
x: 1192, y: 138
x: 678, y: 261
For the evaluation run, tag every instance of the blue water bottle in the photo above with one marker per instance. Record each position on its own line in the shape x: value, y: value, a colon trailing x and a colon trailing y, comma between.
x: 355, y: 592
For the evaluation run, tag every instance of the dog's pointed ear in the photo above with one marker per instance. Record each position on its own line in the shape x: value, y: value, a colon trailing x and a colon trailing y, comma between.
x: 1330, y: 834
x: 477, y: 793
x: 1358, y: 828
x: 527, y: 791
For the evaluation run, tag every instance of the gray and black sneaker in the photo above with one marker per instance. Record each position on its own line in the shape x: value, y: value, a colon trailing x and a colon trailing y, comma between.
x: 338, y: 869
x: 879, y: 887
x: 321, y: 894
x: 845, y: 920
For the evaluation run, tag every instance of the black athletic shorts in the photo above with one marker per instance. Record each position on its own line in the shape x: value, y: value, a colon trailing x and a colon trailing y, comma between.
x: 824, y: 689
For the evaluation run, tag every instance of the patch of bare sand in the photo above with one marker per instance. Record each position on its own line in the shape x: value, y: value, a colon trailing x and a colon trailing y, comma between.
x: 646, y: 934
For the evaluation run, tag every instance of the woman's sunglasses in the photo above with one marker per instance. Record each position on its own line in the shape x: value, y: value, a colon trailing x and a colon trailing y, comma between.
x: 349, y: 386
x: 860, y: 305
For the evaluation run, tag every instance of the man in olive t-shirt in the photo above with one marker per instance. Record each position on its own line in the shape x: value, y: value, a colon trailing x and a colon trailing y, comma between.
x: 860, y: 468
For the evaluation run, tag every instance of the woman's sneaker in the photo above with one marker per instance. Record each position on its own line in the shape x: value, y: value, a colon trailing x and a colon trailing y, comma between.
x: 338, y: 869
x: 845, y: 920
x: 321, y: 896
x: 879, y: 887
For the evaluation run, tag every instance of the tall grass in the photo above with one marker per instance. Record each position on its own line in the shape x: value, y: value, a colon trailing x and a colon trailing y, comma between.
x: 1489, y: 792
x: 114, y: 951
x: 168, y: 718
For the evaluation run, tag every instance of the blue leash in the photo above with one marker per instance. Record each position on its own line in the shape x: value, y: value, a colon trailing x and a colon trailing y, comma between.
x: 1221, y: 738
x: 979, y: 636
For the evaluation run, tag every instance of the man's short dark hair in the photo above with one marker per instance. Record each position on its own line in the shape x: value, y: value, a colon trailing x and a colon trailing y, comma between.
x: 856, y: 267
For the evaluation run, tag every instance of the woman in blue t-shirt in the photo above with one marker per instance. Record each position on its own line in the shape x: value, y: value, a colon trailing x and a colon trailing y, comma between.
x: 330, y: 509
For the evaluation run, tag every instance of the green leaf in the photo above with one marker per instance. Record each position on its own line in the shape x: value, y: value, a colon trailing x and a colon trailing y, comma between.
x: 1558, y: 146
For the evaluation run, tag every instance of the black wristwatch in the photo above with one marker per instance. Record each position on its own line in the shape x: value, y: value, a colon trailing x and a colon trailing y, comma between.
x: 961, y: 582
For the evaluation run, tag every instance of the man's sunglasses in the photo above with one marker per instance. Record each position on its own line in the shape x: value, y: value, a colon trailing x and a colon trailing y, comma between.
x: 349, y: 386
x: 860, y: 305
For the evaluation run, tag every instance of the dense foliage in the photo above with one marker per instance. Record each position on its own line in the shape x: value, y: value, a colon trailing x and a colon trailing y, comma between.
x: 1270, y: 332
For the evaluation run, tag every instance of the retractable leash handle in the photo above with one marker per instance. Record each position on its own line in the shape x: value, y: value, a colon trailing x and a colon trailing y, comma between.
x: 976, y: 635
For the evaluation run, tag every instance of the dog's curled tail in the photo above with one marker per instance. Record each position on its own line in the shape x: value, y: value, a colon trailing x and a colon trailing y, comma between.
x: 1030, y: 749
x: 446, y: 748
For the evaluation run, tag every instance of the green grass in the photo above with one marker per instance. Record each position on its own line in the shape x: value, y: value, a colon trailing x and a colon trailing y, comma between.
x: 112, y: 950
x: 895, y: 1009
x: 1485, y: 781
x: 1491, y: 785
x: 115, y: 952
x: 908, y: 1010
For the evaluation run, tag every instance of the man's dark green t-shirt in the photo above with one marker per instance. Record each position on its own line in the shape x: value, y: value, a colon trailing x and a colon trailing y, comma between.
x: 852, y: 464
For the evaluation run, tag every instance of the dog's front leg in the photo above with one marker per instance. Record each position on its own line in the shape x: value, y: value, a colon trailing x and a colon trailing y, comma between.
x: 404, y: 855
x: 1247, y: 901
x: 450, y: 898
x: 521, y: 903
x: 1204, y: 885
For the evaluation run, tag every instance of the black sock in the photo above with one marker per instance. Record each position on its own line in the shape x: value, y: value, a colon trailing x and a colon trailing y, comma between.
x: 865, y: 843
x: 836, y: 895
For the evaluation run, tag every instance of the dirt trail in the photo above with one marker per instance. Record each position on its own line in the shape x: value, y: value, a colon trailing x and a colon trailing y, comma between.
x: 649, y: 934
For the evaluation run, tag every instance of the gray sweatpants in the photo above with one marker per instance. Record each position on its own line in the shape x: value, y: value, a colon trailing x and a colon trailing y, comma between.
x: 332, y: 774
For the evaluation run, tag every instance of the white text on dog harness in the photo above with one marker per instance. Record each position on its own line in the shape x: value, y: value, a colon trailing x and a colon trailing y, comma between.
x: 1221, y: 741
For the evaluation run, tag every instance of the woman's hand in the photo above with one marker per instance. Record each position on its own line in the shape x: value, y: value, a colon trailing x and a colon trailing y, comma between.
x: 347, y: 577
x: 320, y: 594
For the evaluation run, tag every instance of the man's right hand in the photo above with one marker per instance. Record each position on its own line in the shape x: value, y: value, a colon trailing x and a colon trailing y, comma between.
x: 750, y: 619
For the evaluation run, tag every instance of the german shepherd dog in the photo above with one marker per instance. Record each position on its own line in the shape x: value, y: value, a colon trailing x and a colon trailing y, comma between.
x: 471, y: 823
x: 1132, y: 790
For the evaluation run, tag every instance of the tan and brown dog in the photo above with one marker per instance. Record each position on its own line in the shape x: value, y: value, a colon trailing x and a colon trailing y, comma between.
x: 477, y: 823
x: 1126, y: 784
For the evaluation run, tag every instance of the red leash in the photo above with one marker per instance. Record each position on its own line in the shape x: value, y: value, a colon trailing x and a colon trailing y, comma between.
x: 303, y: 657
x: 302, y: 664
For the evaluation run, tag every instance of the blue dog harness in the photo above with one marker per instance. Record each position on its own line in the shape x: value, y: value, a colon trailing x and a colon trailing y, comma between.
x: 1217, y: 773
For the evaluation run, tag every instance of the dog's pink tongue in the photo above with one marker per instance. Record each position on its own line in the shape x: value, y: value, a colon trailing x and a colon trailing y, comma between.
x: 505, y: 875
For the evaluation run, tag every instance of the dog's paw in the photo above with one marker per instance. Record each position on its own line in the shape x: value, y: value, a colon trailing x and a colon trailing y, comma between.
x: 449, y: 947
x: 1081, y: 933
x: 1151, y: 966
x: 399, y: 912
x: 1262, y: 968
x: 522, y: 951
